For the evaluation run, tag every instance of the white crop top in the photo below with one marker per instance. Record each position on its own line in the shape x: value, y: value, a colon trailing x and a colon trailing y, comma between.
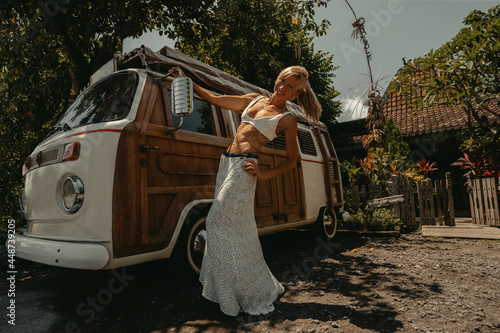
x: 265, y: 125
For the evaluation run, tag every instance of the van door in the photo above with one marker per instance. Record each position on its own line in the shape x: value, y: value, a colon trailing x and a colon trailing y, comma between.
x: 281, y: 199
x: 158, y: 173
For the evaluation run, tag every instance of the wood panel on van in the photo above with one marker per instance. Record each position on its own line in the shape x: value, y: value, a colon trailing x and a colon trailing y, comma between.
x: 158, y: 172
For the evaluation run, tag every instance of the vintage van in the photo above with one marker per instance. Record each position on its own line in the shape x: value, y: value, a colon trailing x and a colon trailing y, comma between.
x: 118, y: 183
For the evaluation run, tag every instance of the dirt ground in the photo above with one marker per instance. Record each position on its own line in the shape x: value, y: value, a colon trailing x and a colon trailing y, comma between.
x: 352, y: 284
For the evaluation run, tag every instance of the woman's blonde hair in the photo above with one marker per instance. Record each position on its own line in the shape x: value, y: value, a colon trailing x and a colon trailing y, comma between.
x: 306, y: 97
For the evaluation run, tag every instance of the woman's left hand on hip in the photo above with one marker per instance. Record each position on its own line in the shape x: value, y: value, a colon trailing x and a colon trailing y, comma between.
x: 252, y: 167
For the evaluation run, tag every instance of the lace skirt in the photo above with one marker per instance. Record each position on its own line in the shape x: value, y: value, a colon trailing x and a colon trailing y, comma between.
x: 234, y: 272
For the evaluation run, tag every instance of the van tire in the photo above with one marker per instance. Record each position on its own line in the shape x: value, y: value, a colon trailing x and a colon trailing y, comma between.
x: 326, y: 224
x: 189, y: 249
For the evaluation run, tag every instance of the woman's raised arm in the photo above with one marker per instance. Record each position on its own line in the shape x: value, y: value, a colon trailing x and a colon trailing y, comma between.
x: 229, y: 102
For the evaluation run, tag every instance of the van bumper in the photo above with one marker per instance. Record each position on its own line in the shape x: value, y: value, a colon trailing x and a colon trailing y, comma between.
x: 62, y: 254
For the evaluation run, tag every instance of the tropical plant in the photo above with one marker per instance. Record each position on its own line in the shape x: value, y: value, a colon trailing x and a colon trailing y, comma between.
x: 396, y: 147
x: 357, y: 175
x: 371, y: 169
x: 476, y: 166
x: 463, y: 73
x: 482, y: 141
x: 426, y: 168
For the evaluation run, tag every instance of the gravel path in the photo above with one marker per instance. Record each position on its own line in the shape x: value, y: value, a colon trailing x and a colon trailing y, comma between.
x: 352, y: 284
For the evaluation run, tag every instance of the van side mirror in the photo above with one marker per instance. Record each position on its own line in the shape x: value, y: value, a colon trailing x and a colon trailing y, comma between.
x: 182, y: 97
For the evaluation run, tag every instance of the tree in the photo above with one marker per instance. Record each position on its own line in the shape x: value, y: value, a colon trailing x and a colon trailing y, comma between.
x: 395, y: 146
x: 464, y: 72
x: 256, y: 39
x: 49, y: 49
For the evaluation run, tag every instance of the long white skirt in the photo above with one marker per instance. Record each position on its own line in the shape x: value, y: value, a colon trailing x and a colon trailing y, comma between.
x: 234, y: 272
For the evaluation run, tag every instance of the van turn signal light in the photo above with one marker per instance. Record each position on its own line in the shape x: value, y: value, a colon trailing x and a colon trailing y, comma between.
x: 71, y: 151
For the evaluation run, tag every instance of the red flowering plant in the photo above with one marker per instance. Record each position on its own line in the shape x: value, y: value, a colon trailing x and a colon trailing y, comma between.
x: 426, y: 168
x: 476, y: 166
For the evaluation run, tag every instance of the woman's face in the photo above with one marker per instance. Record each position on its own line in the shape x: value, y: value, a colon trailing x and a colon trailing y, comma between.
x: 285, y: 88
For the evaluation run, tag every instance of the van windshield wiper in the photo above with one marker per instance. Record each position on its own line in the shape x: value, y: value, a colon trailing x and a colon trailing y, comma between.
x: 60, y: 127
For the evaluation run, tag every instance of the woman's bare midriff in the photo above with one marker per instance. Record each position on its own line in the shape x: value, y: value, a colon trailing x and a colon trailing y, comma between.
x: 248, y: 140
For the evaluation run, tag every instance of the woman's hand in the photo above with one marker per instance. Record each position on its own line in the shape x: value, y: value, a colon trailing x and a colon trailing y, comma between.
x: 252, y: 167
x: 175, y: 71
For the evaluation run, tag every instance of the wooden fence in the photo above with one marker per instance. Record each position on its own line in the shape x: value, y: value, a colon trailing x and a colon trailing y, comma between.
x: 430, y: 203
x: 483, y: 196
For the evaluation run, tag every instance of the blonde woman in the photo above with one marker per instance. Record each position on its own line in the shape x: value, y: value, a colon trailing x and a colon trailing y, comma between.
x: 234, y: 272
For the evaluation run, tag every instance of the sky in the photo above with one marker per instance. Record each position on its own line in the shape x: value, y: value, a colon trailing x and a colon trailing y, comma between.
x: 396, y: 29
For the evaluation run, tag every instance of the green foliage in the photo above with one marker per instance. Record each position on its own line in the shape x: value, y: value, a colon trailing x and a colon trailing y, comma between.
x: 379, y: 166
x: 479, y: 139
x: 379, y: 219
x: 256, y: 39
x: 481, y: 143
x: 464, y: 72
x: 371, y: 169
x: 376, y: 168
x: 381, y: 163
x: 48, y: 50
x: 398, y: 150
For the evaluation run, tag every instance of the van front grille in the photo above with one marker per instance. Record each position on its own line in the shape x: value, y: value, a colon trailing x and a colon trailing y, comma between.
x: 49, y: 156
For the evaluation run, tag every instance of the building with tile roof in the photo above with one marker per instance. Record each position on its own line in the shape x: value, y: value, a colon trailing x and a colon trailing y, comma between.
x: 431, y: 133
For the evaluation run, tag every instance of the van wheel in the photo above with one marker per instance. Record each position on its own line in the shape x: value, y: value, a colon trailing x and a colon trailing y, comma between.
x: 188, y: 253
x: 326, y: 224
x: 196, y: 242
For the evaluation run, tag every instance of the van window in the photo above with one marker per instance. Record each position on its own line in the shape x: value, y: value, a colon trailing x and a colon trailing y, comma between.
x: 201, y: 120
x: 108, y: 100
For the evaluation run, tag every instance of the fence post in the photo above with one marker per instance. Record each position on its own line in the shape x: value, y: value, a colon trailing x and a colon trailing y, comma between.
x: 470, y: 191
x: 438, y: 185
x: 479, y: 199
x: 395, y: 191
x: 491, y: 201
x: 487, y: 200
x: 495, y: 202
x: 432, y: 211
x: 411, y: 195
x: 420, y: 195
x: 371, y: 191
x: 451, y: 205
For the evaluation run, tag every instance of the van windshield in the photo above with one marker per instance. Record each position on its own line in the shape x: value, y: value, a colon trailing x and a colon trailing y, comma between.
x: 108, y: 100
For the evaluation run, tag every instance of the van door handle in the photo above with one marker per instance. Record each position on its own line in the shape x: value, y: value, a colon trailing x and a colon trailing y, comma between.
x: 144, y: 148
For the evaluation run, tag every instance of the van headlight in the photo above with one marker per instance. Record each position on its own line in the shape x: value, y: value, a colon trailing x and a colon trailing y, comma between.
x: 72, y: 194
